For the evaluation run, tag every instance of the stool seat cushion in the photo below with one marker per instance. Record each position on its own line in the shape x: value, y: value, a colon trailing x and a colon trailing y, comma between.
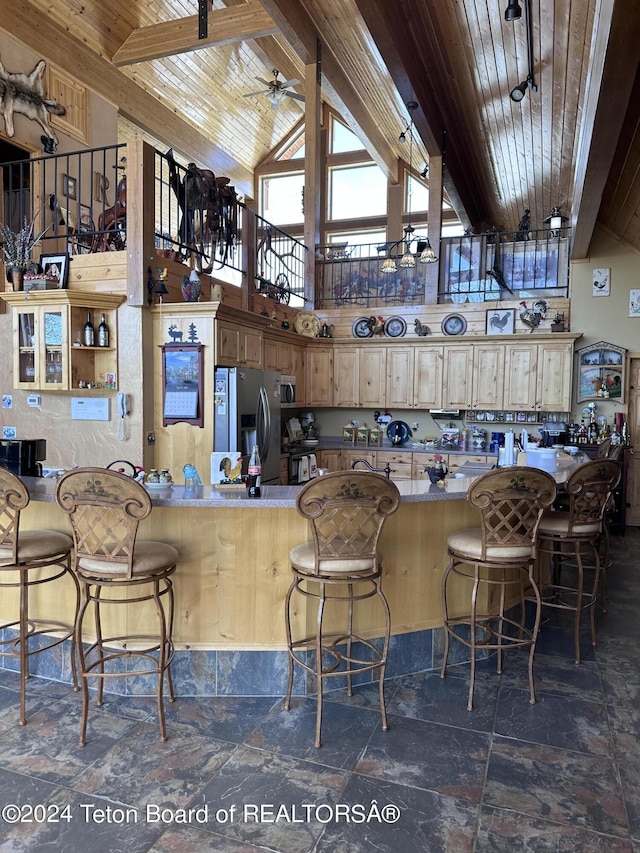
x: 468, y: 543
x: 39, y: 545
x: 557, y: 524
x: 149, y: 558
x: 303, y: 559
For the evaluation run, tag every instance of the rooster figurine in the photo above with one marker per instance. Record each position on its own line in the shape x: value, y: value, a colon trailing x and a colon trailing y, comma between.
x: 533, y: 317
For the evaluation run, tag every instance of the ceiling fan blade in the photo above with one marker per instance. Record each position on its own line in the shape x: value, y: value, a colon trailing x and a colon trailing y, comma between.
x: 261, y: 92
x: 296, y: 96
x: 286, y: 83
x: 262, y: 80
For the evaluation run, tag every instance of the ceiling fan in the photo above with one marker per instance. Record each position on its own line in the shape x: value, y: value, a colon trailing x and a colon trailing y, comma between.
x: 277, y: 90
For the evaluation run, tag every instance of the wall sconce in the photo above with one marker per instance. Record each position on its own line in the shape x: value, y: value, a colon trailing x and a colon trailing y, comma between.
x: 555, y: 222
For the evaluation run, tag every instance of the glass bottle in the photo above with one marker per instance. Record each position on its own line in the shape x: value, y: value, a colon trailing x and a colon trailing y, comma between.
x: 254, y: 473
x: 103, y: 332
x: 89, y: 334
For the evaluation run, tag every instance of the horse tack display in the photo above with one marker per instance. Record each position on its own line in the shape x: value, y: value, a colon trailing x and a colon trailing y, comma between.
x: 209, y: 213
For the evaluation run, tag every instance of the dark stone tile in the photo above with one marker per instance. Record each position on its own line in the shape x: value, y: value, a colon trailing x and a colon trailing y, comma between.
x: 229, y: 719
x: 426, y: 755
x: 144, y: 770
x: 408, y: 653
x: 195, y: 673
x: 20, y: 789
x: 444, y: 700
x: 557, y: 785
x: 180, y: 839
x: 345, y: 732
x: 621, y: 683
x: 254, y: 674
x: 558, y: 642
x: 365, y: 695
x: 559, y: 721
x: 555, y: 675
x: 255, y: 786
x: 405, y: 820
x: 511, y: 832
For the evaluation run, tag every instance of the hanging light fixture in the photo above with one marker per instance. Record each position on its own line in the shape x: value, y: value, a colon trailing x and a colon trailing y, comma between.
x: 407, y: 261
x: 512, y: 13
x: 555, y: 222
x: 427, y: 255
x: 388, y: 266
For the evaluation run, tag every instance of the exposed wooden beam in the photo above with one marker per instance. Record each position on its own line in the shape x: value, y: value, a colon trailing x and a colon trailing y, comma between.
x: 301, y: 33
x: 225, y: 26
x: 613, y: 70
x: 35, y: 30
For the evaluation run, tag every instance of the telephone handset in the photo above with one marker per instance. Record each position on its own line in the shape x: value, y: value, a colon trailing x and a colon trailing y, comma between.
x: 123, y: 404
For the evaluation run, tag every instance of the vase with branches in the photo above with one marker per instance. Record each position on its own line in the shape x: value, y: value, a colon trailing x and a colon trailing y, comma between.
x: 17, y: 247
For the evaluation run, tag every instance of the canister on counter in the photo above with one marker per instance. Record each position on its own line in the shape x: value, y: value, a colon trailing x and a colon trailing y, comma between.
x: 362, y: 435
x: 349, y: 434
x: 375, y: 437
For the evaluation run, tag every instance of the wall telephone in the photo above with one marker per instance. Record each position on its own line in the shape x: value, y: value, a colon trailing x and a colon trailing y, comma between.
x: 123, y: 411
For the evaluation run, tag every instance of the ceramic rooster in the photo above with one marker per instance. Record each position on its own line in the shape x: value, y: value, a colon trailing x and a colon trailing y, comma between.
x: 533, y: 317
x: 191, y: 287
x: 421, y: 328
x: 376, y: 324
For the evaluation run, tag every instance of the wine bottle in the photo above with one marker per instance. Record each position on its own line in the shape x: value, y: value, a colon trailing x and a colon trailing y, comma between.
x: 89, y: 334
x: 254, y: 473
x: 103, y: 333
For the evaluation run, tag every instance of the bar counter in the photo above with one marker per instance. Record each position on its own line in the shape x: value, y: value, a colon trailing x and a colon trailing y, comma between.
x: 234, y: 572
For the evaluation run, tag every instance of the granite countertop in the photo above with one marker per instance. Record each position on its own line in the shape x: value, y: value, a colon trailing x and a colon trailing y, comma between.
x: 336, y: 443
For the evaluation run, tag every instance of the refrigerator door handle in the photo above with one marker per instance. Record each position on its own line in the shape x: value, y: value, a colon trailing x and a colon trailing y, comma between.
x: 264, y: 424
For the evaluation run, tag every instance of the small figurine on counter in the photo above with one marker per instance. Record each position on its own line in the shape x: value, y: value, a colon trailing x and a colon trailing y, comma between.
x: 439, y: 470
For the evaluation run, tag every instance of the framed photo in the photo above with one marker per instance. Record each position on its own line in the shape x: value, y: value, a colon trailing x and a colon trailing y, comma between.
x: 501, y: 321
x: 634, y: 303
x: 601, y: 282
x: 86, y: 230
x: 56, y: 265
x: 69, y: 186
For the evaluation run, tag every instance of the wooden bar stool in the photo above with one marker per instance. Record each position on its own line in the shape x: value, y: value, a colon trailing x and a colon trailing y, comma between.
x: 564, y: 534
x: 347, y: 511
x: 496, y: 562
x: 115, y: 568
x: 28, y: 559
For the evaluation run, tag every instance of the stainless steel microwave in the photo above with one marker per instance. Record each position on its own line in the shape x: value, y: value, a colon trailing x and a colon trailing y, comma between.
x: 288, y: 392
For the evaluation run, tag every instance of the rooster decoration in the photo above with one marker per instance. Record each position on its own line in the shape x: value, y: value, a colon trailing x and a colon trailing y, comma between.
x: 421, y: 328
x: 231, y: 474
x: 533, y: 317
x: 191, y: 287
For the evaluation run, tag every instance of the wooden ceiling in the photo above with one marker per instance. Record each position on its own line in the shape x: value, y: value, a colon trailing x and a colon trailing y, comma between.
x: 571, y: 143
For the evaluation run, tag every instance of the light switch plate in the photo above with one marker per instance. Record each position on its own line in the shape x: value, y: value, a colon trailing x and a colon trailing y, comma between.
x: 33, y: 400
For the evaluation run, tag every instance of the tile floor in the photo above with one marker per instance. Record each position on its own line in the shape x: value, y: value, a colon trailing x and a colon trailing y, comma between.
x: 241, y: 775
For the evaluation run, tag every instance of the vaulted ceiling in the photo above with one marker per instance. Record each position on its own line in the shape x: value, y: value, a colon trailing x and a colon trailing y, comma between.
x: 573, y: 142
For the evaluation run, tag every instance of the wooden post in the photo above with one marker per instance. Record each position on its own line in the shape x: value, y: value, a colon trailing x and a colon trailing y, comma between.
x: 140, y: 219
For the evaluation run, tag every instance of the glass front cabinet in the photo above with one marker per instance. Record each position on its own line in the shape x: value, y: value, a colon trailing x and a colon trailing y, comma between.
x: 49, y: 350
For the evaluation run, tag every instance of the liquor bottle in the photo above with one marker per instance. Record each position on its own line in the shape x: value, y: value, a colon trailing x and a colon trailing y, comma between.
x: 103, y: 332
x: 89, y: 334
x: 254, y: 473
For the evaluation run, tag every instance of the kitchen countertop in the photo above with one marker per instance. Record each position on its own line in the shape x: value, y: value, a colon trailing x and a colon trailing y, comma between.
x: 336, y: 443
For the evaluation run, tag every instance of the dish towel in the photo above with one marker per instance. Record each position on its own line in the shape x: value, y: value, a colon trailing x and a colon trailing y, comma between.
x: 303, y: 469
x: 313, y: 466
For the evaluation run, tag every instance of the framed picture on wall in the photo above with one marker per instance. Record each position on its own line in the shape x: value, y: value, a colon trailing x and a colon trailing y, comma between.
x: 501, y: 321
x: 601, y: 282
x: 69, y: 186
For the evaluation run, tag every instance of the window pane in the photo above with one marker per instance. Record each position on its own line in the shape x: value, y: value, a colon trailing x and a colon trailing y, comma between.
x: 357, y: 191
x: 342, y: 139
x: 417, y: 195
x: 281, y: 198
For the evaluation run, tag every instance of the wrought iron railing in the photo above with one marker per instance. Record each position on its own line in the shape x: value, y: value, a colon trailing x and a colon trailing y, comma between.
x: 280, y: 264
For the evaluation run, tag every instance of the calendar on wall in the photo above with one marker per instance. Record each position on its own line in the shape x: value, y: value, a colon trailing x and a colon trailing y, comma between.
x: 182, y: 384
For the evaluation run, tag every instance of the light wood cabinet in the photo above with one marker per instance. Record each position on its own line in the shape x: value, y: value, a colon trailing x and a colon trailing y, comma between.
x: 298, y: 370
x: 538, y: 376
x: 349, y: 457
x: 277, y: 355
x: 237, y: 345
x: 400, y: 463
x: 46, y: 328
x: 359, y: 376
x: 488, y: 376
x: 414, y: 377
x: 330, y: 459
x: 457, y: 382
x: 319, y: 376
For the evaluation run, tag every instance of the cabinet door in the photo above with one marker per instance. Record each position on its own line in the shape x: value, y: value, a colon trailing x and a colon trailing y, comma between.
x: 488, y: 376
x: 399, y: 463
x: 346, y: 376
x: 227, y: 344
x: 319, y: 377
x: 521, y: 373
x: 26, y: 361
x: 350, y: 456
x: 54, y: 348
x: 372, y: 369
x: 330, y: 459
x: 457, y: 378
x: 297, y: 370
x: 399, y: 382
x: 270, y: 354
x: 251, y: 346
x: 421, y: 461
x: 555, y: 365
x: 427, y: 377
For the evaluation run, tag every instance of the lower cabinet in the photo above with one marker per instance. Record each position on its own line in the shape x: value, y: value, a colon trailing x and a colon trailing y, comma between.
x: 404, y: 466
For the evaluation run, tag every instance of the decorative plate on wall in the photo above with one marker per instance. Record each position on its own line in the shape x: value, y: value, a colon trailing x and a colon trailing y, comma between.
x: 395, y: 327
x: 362, y: 328
x: 307, y: 324
x: 454, y: 324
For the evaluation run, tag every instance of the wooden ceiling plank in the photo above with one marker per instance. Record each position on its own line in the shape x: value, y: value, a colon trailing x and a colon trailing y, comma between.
x: 169, y: 38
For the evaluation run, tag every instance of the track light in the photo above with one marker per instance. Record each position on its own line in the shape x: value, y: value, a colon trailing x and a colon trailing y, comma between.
x: 513, y: 11
x: 519, y: 92
x: 425, y: 171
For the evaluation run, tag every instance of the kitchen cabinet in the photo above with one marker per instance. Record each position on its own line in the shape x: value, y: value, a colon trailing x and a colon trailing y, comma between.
x: 298, y: 370
x: 457, y: 381
x: 488, y: 376
x: 538, y: 376
x: 359, y: 376
x: 46, y: 328
x: 330, y: 459
x: 319, y: 376
x: 414, y: 377
x: 400, y: 464
x: 349, y: 457
x: 237, y: 345
x: 277, y: 355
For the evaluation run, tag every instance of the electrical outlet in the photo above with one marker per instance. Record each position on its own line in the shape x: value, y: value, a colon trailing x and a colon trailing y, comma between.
x: 415, y: 425
x: 151, y: 438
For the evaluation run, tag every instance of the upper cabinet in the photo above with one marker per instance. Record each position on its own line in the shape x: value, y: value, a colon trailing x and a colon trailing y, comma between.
x: 49, y: 352
x: 601, y: 372
x: 359, y: 376
x: 538, y: 376
x: 414, y: 377
x: 237, y: 345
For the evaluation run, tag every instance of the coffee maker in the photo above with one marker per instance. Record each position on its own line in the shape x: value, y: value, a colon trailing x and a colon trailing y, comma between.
x: 554, y: 432
x: 23, y: 457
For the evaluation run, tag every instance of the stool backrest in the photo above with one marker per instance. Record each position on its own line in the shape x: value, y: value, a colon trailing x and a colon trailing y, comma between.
x: 347, y: 510
x: 603, y: 448
x: 14, y: 497
x: 105, y: 509
x: 511, y: 502
x: 589, y: 488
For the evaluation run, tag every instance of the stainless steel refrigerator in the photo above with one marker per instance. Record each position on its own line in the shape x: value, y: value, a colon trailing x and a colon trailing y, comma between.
x: 247, y: 412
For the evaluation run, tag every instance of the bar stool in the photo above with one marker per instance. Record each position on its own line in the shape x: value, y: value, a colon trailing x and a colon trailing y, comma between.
x: 346, y: 511
x: 496, y: 559
x: 116, y: 568
x: 31, y: 558
x: 563, y: 534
